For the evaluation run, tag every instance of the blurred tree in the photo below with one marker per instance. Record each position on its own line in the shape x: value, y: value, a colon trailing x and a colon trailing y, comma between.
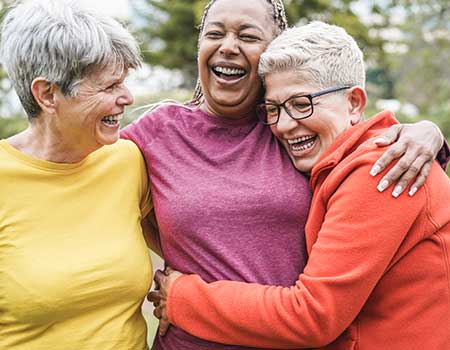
x: 4, y: 5
x: 10, y: 125
x: 422, y: 69
x: 169, y: 35
x: 170, y: 32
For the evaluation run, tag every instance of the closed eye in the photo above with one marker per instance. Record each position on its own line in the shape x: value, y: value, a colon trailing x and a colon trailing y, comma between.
x: 214, y: 35
x: 249, y: 38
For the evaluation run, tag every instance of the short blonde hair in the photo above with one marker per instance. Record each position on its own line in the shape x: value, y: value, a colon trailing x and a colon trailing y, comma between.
x: 324, y: 55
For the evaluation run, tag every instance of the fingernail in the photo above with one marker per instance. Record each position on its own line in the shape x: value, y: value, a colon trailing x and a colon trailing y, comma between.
x: 383, y: 185
x: 397, y: 191
x: 379, y: 140
x: 375, y: 170
x: 412, y: 191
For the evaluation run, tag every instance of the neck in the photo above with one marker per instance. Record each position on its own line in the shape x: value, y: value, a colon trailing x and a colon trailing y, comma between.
x: 229, y: 112
x: 42, y: 141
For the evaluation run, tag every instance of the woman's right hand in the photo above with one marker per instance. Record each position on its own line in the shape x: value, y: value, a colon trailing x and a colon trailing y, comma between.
x: 163, y: 283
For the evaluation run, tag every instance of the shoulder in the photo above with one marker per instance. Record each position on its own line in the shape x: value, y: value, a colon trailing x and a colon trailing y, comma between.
x: 160, y: 114
x: 153, y: 122
x: 122, y: 151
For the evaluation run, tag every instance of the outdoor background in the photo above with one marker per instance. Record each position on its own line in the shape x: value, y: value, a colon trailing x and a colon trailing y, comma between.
x: 406, y: 45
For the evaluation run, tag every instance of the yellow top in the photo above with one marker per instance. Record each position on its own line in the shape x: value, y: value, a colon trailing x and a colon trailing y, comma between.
x: 74, y: 267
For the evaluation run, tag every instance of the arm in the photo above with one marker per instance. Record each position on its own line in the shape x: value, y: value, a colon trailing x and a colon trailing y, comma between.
x: 344, y: 266
x: 151, y: 233
x: 417, y: 145
x: 444, y: 155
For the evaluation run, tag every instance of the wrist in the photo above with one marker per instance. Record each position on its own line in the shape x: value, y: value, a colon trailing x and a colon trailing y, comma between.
x: 433, y: 125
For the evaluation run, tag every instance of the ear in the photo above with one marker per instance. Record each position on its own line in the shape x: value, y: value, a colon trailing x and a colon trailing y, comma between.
x: 357, y: 99
x: 44, y: 93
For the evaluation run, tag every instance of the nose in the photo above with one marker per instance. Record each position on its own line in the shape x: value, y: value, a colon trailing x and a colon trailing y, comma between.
x: 125, y: 98
x: 229, y: 45
x: 285, y: 122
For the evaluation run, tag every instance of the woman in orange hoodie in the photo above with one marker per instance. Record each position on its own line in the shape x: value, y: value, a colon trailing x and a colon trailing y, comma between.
x: 378, y: 274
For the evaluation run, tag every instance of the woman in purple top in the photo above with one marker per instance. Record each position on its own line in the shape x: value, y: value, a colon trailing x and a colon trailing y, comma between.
x: 228, y: 201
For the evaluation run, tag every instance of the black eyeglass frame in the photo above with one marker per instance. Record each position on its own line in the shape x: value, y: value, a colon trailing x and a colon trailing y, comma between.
x: 309, y: 97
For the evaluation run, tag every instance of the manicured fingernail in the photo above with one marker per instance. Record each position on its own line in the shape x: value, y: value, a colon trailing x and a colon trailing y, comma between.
x: 397, y: 191
x: 375, y: 170
x: 412, y: 191
x: 379, y: 140
x: 383, y: 185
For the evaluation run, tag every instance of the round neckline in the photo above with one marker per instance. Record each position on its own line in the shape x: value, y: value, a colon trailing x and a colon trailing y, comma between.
x: 40, y: 163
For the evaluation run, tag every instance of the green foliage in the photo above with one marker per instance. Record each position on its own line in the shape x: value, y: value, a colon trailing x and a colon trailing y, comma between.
x: 170, y: 37
x: 11, y: 126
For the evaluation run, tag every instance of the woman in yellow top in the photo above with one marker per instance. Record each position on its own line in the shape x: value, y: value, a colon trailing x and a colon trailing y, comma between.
x: 74, y: 267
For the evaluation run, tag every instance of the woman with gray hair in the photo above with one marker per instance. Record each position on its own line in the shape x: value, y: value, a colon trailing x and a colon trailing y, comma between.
x: 74, y: 266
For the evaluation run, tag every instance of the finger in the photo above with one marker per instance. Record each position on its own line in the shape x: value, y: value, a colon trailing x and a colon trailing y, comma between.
x: 168, y: 270
x: 424, y: 172
x: 409, y: 175
x: 389, y: 136
x: 396, y: 172
x: 158, y: 278
x: 157, y: 312
x: 154, y: 297
x: 163, y: 327
x: 394, y: 152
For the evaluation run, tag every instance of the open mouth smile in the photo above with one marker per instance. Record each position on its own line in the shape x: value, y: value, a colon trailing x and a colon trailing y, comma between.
x: 112, y: 120
x: 302, y: 144
x: 229, y: 73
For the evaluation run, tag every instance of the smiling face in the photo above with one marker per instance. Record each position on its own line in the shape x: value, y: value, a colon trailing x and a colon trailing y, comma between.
x: 92, y: 118
x: 235, y: 35
x: 307, y: 139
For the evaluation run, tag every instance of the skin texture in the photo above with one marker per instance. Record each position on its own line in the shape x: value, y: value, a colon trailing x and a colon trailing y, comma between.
x: 235, y: 35
x: 70, y: 128
x: 333, y: 114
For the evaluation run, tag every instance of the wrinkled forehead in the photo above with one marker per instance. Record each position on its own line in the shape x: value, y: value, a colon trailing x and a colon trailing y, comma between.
x: 99, y: 76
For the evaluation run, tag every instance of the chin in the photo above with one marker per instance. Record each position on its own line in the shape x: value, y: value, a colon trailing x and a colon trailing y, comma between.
x: 304, y: 165
x: 109, y: 140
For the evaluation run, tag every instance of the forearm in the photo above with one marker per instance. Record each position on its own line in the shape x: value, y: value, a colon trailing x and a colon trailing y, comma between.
x: 246, y: 314
x: 345, y: 264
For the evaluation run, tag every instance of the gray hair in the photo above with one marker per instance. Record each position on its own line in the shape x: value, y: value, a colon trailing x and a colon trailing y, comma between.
x: 324, y: 55
x: 63, y: 43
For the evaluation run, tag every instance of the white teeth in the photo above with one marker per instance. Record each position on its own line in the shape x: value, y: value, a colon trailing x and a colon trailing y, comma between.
x: 303, y: 147
x: 300, y: 139
x: 112, y: 119
x: 229, y: 71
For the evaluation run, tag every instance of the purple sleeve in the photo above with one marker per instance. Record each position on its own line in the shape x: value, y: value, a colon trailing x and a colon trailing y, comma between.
x: 443, y: 156
x: 139, y: 131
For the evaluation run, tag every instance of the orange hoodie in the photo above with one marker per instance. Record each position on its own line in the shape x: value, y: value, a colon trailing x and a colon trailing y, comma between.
x: 378, y: 274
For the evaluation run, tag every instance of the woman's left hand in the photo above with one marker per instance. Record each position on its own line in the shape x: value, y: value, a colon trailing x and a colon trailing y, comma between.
x: 164, y: 281
x: 418, y: 145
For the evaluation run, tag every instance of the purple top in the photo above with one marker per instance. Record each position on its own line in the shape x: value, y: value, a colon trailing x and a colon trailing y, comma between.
x: 228, y: 201
x: 444, y: 155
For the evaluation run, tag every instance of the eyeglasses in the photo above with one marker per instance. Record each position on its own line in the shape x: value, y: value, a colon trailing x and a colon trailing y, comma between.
x: 297, y: 107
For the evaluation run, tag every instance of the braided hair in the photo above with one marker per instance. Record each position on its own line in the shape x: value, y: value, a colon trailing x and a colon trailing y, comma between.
x: 278, y: 16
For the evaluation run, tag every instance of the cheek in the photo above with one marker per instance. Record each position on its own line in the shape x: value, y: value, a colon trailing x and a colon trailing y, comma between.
x: 254, y: 57
x: 275, y: 132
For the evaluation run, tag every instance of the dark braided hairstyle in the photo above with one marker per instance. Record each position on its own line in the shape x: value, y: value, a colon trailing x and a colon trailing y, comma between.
x: 278, y: 16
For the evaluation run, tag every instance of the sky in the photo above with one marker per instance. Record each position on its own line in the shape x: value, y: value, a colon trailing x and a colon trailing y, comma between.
x: 116, y: 8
